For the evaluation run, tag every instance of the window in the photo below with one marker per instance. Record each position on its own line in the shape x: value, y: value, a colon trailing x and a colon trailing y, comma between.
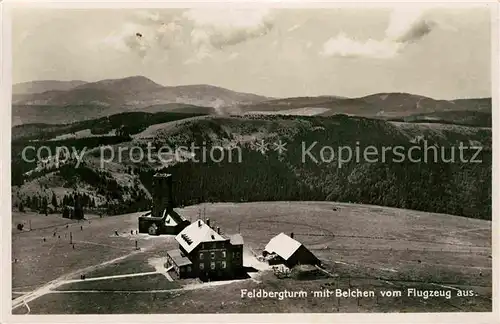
x: 215, y: 245
x: 202, y: 266
x: 201, y: 255
x: 182, y: 269
x: 223, y: 265
x: 212, y: 255
x: 223, y: 254
x: 189, y: 269
x: 212, y: 265
x: 237, y: 254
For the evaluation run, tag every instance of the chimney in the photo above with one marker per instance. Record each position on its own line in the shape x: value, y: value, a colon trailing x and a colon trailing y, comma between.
x: 199, y: 222
x: 218, y: 230
x: 208, y: 222
x: 291, y: 235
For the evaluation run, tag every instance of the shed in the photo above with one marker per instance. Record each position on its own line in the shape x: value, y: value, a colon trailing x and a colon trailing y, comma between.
x: 282, y: 249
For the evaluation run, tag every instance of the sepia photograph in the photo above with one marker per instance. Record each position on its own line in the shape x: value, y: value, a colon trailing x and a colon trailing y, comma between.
x: 230, y: 159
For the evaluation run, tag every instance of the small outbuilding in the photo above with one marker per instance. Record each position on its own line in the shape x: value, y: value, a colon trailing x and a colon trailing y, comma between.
x: 283, y: 249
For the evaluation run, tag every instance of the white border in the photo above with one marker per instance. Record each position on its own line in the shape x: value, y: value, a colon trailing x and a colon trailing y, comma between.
x: 5, y: 189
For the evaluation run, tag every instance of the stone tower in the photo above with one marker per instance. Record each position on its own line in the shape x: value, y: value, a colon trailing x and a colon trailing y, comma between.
x: 162, y: 194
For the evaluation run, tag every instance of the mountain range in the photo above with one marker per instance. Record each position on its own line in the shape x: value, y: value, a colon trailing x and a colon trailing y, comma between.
x: 136, y: 92
x: 34, y: 87
x: 71, y: 101
x: 129, y: 112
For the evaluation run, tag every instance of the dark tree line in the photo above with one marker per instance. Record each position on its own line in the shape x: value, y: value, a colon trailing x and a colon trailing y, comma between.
x: 459, y: 189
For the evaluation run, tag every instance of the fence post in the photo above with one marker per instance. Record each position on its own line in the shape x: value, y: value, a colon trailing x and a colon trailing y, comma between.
x: 70, y: 238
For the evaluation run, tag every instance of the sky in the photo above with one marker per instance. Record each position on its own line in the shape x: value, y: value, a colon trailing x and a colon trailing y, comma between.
x: 440, y: 52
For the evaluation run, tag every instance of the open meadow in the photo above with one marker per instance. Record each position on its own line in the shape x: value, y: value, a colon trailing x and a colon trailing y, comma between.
x: 362, y: 247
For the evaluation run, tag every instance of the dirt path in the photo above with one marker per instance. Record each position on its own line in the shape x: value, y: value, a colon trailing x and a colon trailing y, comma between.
x: 51, y: 285
x: 139, y: 274
x: 159, y: 265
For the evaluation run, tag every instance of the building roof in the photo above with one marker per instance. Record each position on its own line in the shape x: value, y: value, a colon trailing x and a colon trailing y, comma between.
x: 194, y: 234
x: 172, y: 217
x: 236, y: 239
x: 178, y: 258
x: 283, y: 245
x: 169, y: 220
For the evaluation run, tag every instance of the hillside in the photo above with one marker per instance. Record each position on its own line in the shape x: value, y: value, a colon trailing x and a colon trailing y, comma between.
x: 94, y: 99
x: 455, y: 188
x: 56, y: 115
x: 381, y: 105
x: 130, y: 122
x: 364, y: 246
x: 459, y: 117
x: 32, y: 87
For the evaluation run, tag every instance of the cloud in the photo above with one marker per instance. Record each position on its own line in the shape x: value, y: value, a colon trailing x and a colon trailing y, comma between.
x: 202, y: 53
x: 147, y: 32
x: 233, y: 56
x: 347, y: 47
x: 204, y: 30
x: 294, y: 27
x: 406, y: 25
x: 126, y: 40
x: 215, y: 29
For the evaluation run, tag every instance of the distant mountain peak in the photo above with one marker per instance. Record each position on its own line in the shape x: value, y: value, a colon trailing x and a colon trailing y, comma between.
x: 125, y: 94
x: 132, y: 81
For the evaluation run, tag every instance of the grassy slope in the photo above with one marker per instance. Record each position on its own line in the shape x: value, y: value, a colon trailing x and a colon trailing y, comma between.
x: 148, y: 282
x: 453, y: 251
x: 40, y: 262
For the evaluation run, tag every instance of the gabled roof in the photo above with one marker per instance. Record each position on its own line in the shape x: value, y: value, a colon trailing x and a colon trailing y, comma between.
x: 283, y: 245
x: 172, y: 217
x: 169, y: 220
x: 194, y: 234
x: 236, y: 239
